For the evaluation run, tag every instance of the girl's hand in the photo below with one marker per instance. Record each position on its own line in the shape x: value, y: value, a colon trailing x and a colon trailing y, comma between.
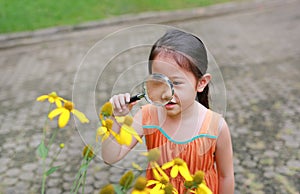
x: 121, y: 104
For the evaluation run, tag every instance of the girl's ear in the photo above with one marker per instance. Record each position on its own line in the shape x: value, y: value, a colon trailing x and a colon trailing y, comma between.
x: 203, y: 82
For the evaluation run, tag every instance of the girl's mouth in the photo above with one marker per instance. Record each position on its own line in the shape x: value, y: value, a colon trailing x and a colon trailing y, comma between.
x: 170, y: 105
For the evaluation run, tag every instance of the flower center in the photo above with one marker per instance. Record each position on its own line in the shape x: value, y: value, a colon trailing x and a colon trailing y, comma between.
x: 109, y: 123
x: 153, y: 155
x: 140, y: 183
x: 69, y: 105
x: 198, y: 177
x: 164, y: 181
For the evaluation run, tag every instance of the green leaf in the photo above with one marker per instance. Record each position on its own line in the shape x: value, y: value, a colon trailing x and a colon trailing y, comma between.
x: 42, y: 150
x: 118, y: 189
x: 52, y: 170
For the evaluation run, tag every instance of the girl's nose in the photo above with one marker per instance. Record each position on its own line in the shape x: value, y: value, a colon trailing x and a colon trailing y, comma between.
x: 166, y: 96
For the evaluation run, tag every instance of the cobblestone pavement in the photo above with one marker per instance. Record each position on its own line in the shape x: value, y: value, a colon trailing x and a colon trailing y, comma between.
x: 256, y: 49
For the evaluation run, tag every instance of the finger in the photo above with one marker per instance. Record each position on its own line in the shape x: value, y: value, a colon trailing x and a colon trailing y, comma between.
x: 115, y: 101
x: 127, y: 98
x: 122, y: 101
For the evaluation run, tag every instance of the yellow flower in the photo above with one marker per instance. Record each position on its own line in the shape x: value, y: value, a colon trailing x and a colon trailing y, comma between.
x: 162, y: 186
x: 140, y: 186
x: 178, y: 165
x: 105, y: 130
x: 108, y: 189
x: 52, y: 97
x: 202, y: 189
x: 198, y: 184
x: 158, y: 172
x: 65, y: 112
x: 106, y: 109
x: 88, y: 152
x: 126, y: 132
x: 161, y: 181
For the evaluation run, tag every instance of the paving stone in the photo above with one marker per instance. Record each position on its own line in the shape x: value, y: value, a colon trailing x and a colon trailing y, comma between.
x: 68, y: 177
x: 27, y: 176
x: 10, y: 190
x: 54, y: 191
x: 294, y: 164
x: 114, y: 178
x: 29, y: 166
x: 10, y: 181
x: 100, y: 175
x: 22, y: 186
x: 67, y: 186
x: 53, y: 182
x: 13, y: 172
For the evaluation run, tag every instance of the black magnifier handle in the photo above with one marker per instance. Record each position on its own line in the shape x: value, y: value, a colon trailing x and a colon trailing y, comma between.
x: 136, y: 97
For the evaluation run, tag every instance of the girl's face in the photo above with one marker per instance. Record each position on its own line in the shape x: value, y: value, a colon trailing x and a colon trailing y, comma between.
x: 185, y: 84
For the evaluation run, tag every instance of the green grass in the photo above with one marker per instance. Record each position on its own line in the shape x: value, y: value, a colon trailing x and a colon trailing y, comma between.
x: 27, y: 15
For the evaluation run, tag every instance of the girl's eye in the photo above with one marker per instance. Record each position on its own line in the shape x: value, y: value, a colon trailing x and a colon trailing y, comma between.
x: 177, y: 83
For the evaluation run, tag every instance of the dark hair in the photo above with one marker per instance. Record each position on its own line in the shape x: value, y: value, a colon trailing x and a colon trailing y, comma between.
x: 188, y: 51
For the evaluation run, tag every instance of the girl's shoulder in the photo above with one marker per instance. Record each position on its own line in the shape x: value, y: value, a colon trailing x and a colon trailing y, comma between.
x: 212, y: 123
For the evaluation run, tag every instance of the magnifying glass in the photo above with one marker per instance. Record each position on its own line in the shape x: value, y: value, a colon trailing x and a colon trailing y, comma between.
x: 157, y: 90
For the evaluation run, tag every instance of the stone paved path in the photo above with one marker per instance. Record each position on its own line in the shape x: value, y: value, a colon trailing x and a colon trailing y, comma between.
x: 257, y: 51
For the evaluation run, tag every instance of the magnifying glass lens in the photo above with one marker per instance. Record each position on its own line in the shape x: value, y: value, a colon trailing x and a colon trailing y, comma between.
x: 158, y: 89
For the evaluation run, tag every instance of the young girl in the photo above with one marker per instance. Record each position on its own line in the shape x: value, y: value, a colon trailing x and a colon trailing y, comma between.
x: 185, y: 127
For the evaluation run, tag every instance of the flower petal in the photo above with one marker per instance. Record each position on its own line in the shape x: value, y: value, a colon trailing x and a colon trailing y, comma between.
x: 51, y: 99
x: 137, y: 137
x: 64, y: 118
x: 156, y: 174
x: 168, y: 165
x: 163, y: 174
x: 136, y: 166
x: 204, y: 189
x: 151, y: 182
x: 106, y: 135
x: 156, y: 188
x: 82, y: 118
x: 184, y: 171
x: 55, y: 112
x: 125, y: 137
x: 174, y: 171
x: 120, y: 119
x: 101, y: 131
x: 58, y: 102
x: 42, y: 98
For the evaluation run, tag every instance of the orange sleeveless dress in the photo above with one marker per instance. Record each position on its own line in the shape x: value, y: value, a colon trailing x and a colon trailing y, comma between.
x: 198, y: 152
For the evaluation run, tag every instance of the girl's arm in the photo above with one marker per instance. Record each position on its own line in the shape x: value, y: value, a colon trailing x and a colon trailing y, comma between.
x: 224, y: 161
x: 111, y: 150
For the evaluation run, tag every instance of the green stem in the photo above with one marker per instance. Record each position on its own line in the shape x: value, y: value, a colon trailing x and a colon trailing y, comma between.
x: 55, y: 158
x: 53, y: 137
x: 84, y: 177
x: 44, y: 158
x: 78, y: 184
x: 44, y: 176
x: 77, y: 178
x: 83, y: 184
